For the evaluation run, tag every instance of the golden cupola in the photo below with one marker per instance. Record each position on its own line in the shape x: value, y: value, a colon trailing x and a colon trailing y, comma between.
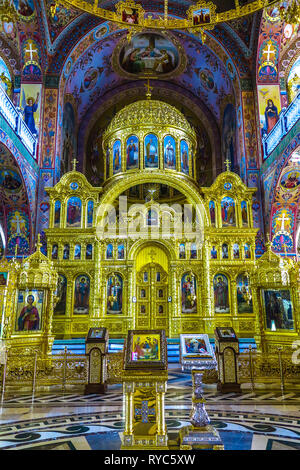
x: 149, y: 135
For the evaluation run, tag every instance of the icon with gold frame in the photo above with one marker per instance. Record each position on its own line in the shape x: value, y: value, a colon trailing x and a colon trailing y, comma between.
x: 146, y: 349
x: 130, y: 13
x: 195, y: 346
x: 202, y: 14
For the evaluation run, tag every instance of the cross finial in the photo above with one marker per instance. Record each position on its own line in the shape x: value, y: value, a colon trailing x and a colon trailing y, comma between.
x: 74, y: 163
x: 38, y: 243
x: 148, y: 89
x: 152, y: 254
x: 227, y: 163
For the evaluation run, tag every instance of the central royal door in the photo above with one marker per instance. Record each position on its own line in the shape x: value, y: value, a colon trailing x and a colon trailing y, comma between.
x: 152, y: 298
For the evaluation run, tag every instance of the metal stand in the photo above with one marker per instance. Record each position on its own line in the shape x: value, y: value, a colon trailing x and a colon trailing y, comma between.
x: 201, y: 435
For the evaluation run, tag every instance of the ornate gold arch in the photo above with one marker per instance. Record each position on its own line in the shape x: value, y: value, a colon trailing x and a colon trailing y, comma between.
x: 121, y: 183
x: 165, y: 22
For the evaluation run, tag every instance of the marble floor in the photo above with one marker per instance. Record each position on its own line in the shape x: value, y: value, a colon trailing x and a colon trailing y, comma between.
x: 266, y: 420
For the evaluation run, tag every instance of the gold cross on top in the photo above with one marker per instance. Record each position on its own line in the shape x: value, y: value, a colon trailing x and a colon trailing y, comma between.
x: 74, y: 163
x: 227, y: 163
x: 148, y: 89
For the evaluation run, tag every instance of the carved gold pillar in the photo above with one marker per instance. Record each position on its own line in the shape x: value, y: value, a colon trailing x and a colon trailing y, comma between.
x: 206, y: 289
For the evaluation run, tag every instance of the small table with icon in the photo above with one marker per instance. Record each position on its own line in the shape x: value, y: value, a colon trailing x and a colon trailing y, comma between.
x: 227, y: 352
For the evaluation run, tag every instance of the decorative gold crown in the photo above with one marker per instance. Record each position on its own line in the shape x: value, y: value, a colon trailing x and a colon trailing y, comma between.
x: 149, y: 113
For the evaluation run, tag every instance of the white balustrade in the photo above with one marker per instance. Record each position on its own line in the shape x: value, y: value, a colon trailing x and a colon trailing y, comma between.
x: 287, y: 119
x: 14, y: 118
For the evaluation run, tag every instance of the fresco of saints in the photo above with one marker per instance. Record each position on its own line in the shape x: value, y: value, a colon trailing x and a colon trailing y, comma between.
x: 244, y: 213
x: 132, y: 152
x: 271, y: 115
x: 117, y: 157
x: 151, y: 151
x: 29, y: 319
x: 170, y: 153
x: 29, y: 110
x: 184, y: 158
x: 114, y: 295
x: 188, y: 294
x: 212, y: 211
x: 81, y: 294
x: 228, y: 211
x: 221, y: 294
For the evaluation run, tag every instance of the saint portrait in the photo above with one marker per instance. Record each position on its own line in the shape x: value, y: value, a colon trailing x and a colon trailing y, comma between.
x: 54, y: 253
x: 170, y: 153
x: 182, y: 251
x: 132, y: 152
x: 146, y: 347
x: 74, y: 212
x: 66, y: 252
x: 10, y: 180
x: 212, y: 212
x: 114, y: 294
x: 117, y: 157
x: 57, y: 209
x: 184, y: 157
x: 188, y: 294
x: 77, y: 251
x: 30, y: 108
x: 3, y: 279
x: 213, y: 253
x: 30, y: 310
x: 244, y: 213
x: 109, y: 251
x: 244, y: 295
x: 290, y: 181
x: 220, y: 285
x: 61, y: 293
x: 271, y: 116
x: 228, y: 212
x: 89, y: 251
x: 90, y: 213
x: 151, y: 151
x: 224, y: 251
x: 121, y: 252
x: 81, y: 295
x: 236, y: 251
x: 278, y: 309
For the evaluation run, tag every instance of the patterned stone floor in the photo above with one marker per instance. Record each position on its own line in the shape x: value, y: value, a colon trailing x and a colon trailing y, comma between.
x: 264, y: 420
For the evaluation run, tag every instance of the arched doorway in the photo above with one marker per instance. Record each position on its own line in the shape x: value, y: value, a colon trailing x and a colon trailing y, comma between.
x: 152, y: 288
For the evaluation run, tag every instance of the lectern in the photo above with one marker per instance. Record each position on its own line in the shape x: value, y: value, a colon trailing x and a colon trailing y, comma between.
x: 144, y: 385
x: 96, y: 348
x: 227, y: 352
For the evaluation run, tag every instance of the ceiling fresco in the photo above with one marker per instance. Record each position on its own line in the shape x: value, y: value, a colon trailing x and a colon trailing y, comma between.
x: 94, y: 72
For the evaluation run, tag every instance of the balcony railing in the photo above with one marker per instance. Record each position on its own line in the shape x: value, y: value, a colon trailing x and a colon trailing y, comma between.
x: 287, y: 119
x: 14, y: 118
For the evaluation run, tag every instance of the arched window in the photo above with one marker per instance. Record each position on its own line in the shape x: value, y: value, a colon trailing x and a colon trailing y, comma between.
x: 221, y: 295
x: 81, y: 295
x: 188, y: 294
x: 74, y: 212
x: 114, y: 294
